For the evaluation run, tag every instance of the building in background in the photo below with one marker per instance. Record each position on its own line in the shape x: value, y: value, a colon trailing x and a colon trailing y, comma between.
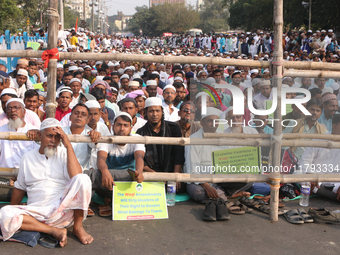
x: 199, y: 4
x: 77, y: 5
x: 121, y: 20
x: 157, y: 2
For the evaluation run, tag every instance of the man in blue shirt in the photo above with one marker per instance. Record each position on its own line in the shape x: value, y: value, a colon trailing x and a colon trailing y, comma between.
x: 330, y: 107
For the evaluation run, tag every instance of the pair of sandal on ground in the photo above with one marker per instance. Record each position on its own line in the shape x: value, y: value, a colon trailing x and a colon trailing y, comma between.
x: 297, y: 216
x: 260, y: 203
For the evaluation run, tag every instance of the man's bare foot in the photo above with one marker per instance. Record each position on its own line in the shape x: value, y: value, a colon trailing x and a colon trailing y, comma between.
x: 61, y: 235
x: 241, y: 194
x: 83, y: 237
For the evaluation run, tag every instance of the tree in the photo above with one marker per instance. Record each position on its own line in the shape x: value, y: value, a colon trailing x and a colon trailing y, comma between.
x: 10, y: 16
x: 70, y: 17
x: 250, y: 14
x: 175, y: 18
x: 214, y: 16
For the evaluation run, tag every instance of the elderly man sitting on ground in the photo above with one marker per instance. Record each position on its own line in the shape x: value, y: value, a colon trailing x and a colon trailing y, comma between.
x: 58, y: 193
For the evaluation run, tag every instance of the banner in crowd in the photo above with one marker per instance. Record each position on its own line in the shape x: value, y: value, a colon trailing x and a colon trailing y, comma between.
x: 237, y: 160
x: 139, y: 201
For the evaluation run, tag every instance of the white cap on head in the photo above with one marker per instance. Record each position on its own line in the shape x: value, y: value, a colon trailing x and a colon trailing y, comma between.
x: 49, y: 123
x: 335, y: 86
x: 87, y: 67
x: 212, y: 111
x: 8, y: 91
x: 136, y: 76
x: 92, y: 104
x: 73, y: 68
x: 19, y: 100
x: 169, y: 87
x: 127, y: 68
x: 151, y: 83
x: 99, y: 78
x: 22, y: 72
x: 179, y: 78
x: 134, y: 84
x: 327, y: 90
x: 99, y: 62
x: 110, y: 64
x: 255, y: 81
x: 123, y: 114
x: 265, y: 83
x: 75, y: 80
x: 153, y: 101
x: 124, y: 76
x: 155, y: 72
x: 254, y: 71
x: 60, y: 66
x: 65, y: 89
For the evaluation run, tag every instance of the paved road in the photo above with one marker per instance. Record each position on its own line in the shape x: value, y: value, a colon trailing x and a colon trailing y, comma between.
x: 185, y: 233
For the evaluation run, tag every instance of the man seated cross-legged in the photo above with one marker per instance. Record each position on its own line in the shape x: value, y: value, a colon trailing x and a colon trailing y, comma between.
x: 58, y: 193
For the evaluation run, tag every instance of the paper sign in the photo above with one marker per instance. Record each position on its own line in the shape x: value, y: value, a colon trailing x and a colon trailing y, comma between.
x: 139, y: 201
x: 237, y: 160
x: 269, y: 105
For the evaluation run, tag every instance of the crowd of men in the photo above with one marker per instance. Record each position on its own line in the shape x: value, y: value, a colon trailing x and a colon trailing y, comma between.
x: 125, y: 98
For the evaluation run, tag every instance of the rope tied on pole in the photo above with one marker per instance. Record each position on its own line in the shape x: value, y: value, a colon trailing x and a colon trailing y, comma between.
x: 52, y: 12
x: 53, y: 104
x: 50, y: 54
x: 276, y: 139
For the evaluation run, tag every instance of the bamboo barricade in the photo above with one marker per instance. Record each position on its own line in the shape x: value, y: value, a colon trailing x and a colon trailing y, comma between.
x: 268, y: 136
x: 217, y: 178
x: 309, y: 65
x: 311, y: 74
x: 183, y: 141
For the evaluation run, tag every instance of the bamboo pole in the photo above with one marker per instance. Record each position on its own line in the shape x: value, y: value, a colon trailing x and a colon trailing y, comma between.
x: 311, y: 74
x: 53, y: 20
x: 245, y: 178
x: 267, y: 136
x: 172, y: 59
x: 275, y: 152
x: 182, y: 141
x: 217, y: 178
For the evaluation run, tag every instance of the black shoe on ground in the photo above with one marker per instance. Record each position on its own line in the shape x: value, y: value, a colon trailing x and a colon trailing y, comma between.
x: 221, y: 210
x: 210, y: 211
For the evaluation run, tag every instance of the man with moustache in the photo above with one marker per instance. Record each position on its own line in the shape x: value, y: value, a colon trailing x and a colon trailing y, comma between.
x: 58, y: 193
x: 170, y: 111
x: 160, y: 158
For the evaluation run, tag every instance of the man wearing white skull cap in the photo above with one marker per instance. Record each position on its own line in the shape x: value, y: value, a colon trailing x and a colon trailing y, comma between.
x: 58, y: 193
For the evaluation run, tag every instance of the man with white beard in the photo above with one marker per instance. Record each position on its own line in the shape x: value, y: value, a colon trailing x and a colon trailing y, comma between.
x: 58, y: 193
x: 12, y: 151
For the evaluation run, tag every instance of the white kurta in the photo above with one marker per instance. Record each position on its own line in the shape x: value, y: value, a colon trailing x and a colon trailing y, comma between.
x: 139, y: 123
x: 104, y: 131
x: 173, y: 116
x: 82, y: 150
x: 12, y: 151
x: 261, y: 100
x: 52, y: 195
x: 321, y: 160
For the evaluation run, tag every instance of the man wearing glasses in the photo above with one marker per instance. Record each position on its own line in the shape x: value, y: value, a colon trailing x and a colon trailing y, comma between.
x: 187, y: 117
x: 170, y: 111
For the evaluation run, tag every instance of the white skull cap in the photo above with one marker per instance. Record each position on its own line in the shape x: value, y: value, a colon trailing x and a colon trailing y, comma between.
x: 49, y: 122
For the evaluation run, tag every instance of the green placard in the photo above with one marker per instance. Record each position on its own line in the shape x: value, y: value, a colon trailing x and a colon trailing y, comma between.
x: 38, y: 86
x: 241, y: 160
x: 269, y: 105
x: 139, y: 201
